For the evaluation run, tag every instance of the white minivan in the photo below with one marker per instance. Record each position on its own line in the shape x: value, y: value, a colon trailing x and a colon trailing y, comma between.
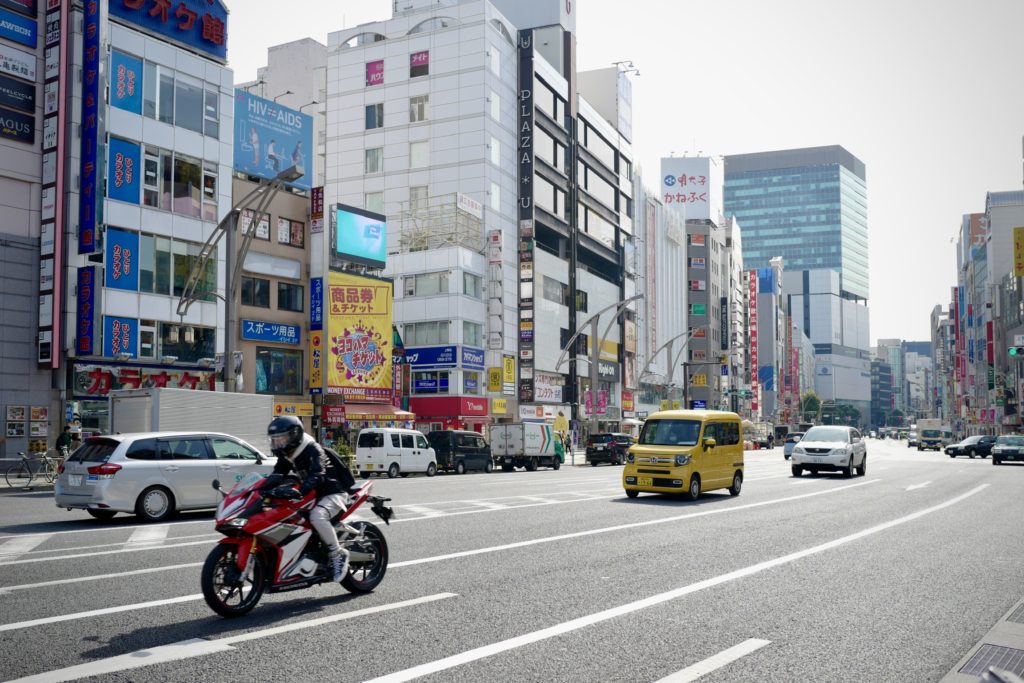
x: 395, y: 451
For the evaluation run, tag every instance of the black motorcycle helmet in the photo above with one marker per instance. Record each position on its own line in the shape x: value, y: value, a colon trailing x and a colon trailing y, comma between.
x: 285, y: 432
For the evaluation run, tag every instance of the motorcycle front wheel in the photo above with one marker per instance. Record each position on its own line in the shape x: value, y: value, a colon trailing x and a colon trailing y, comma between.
x: 224, y: 590
x: 363, y: 577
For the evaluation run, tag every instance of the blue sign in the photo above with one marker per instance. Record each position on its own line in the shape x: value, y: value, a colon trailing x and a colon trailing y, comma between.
x: 360, y: 236
x: 89, y: 179
x: 257, y: 330
x: 201, y: 24
x: 122, y: 262
x: 472, y: 358
x: 431, y: 357
x: 430, y: 386
x: 86, y: 310
x: 698, y: 404
x: 126, y: 82
x: 120, y: 335
x: 270, y: 137
x: 766, y: 377
x: 18, y: 28
x: 124, y: 170
x: 316, y: 303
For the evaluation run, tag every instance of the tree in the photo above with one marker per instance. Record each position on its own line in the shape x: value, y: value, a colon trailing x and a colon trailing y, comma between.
x: 809, y: 404
x: 847, y: 414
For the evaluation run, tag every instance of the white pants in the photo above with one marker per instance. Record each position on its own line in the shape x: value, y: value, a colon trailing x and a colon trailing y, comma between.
x: 320, y: 518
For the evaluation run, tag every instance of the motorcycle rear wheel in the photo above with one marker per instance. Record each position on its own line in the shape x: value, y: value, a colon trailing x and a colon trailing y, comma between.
x: 221, y: 587
x: 363, y: 577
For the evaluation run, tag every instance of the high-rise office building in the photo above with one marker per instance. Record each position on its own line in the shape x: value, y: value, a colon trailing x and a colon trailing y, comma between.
x: 808, y: 206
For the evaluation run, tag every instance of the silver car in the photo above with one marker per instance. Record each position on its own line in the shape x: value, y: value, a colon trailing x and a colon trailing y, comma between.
x: 154, y: 474
x: 831, y: 449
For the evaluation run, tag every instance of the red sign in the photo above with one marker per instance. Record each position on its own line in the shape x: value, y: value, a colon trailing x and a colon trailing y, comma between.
x: 375, y: 72
x: 447, y: 406
x: 627, y: 400
x: 334, y: 415
x: 96, y: 381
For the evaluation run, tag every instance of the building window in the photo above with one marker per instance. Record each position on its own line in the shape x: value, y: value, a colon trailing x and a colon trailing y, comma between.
x: 426, y: 284
x: 187, y: 183
x: 495, y: 151
x: 188, y: 103
x: 471, y: 383
x: 426, y: 333
x: 419, y: 64
x: 374, y: 160
x: 290, y: 297
x: 262, y: 225
x: 187, y: 347
x: 495, y: 197
x: 292, y: 233
x: 419, y: 108
x: 374, y: 116
x: 278, y: 371
x: 255, y: 292
x: 419, y: 154
x: 150, y: 90
x: 431, y: 382
x: 211, y: 113
x: 154, y: 264
x: 473, y: 285
x: 495, y: 106
x: 147, y: 339
x: 417, y: 198
x: 472, y: 333
x: 374, y: 201
x: 495, y: 61
x: 151, y: 177
x: 165, y: 96
x: 209, y: 192
x: 555, y: 291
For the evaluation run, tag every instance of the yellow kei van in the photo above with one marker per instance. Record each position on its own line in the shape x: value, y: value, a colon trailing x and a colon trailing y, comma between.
x: 686, y: 451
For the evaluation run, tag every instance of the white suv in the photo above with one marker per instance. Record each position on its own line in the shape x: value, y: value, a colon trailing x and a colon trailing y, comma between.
x: 831, y: 449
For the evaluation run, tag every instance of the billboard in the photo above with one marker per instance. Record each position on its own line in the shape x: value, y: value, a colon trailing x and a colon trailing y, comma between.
x: 123, y: 171
x: 693, y: 185
x: 360, y: 236
x: 122, y: 253
x: 126, y: 82
x: 199, y: 24
x: 270, y: 138
x: 359, y: 340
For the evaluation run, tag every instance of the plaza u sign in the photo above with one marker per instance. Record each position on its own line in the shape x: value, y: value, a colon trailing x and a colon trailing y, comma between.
x: 279, y: 333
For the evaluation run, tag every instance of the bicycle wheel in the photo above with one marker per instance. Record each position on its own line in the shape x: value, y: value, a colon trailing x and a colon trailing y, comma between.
x: 19, y: 476
x: 49, y: 471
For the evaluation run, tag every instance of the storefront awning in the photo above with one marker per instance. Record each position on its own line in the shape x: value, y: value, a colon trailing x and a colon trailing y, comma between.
x: 383, y: 412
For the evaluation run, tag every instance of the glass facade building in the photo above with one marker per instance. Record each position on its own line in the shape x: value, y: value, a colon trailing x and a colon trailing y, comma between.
x: 808, y: 206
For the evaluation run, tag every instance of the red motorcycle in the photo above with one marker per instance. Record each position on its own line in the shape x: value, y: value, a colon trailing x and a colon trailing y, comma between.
x: 270, y: 545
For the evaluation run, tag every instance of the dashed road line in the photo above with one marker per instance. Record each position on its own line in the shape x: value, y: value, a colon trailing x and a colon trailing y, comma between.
x: 715, y: 662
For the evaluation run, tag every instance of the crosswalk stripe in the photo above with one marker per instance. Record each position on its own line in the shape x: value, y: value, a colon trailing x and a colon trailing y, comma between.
x: 16, y: 547
x: 148, y: 536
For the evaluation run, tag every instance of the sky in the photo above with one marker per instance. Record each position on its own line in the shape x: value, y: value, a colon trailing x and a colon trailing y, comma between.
x: 929, y: 94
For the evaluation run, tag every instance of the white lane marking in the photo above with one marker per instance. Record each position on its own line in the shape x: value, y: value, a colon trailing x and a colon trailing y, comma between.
x: 119, y: 544
x: 16, y: 547
x: 198, y: 647
x: 97, y: 577
x: 909, y: 488
x: 715, y: 662
x: 488, y: 505
x: 95, y: 529
x: 591, y: 619
x: 148, y: 537
x: 98, y: 612
x: 103, y: 552
x: 421, y: 510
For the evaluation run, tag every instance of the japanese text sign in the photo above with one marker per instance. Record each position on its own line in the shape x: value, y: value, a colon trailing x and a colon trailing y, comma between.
x: 200, y: 24
x: 693, y: 185
x: 89, y: 183
x: 258, y: 330
x: 1018, y: 252
x: 316, y: 362
x: 18, y: 28
x: 375, y: 72
x: 120, y: 335
x: 122, y: 270
x: 359, y: 346
x: 86, y: 311
x: 124, y: 171
x: 316, y: 303
x: 126, y: 82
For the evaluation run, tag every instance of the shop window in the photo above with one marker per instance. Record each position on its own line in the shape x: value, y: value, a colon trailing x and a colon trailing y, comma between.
x: 278, y: 371
x: 289, y: 297
x: 255, y: 292
x: 262, y: 225
x: 292, y: 233
x: 432, y: 382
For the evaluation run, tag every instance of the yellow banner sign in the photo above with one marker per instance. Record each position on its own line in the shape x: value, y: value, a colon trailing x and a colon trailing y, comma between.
x: 316, y: 361
x: 493, y: 379
x: 508, y: 367
x: 699, y: 380
x: 1018, y: 252
x: 359, y: 340
x: 499, y: 406
x: 297, y: 409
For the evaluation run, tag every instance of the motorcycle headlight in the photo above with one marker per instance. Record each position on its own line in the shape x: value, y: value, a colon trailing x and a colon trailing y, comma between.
x: 682, y: 460
x: 238, y: 522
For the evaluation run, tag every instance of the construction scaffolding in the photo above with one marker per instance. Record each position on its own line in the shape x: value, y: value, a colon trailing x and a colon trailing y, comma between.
x: 449, y: 220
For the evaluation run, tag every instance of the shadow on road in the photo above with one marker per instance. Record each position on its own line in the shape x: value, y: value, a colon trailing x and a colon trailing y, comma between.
x: 79, y: 520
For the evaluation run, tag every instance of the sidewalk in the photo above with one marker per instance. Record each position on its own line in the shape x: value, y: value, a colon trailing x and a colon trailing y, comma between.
x: 1002, y: 647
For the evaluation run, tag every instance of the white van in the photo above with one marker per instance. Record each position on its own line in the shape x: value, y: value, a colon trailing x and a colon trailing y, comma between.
x: 395, y: 451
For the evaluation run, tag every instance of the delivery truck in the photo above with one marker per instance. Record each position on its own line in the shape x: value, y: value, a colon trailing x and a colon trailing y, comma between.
x: 160, y: 409
x: 528, y: 445
x: 931, y: 434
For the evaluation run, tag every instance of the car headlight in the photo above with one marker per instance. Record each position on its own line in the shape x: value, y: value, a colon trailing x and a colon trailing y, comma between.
x: 629, y: 457
x: 799, y: 451
x: 682, y: 460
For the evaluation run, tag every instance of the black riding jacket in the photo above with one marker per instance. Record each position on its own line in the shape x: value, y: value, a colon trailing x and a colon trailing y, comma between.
x: 312, y: 467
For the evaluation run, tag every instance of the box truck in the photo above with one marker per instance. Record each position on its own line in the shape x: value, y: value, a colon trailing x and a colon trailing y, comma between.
x: 528, y: 445
x: 245, y: 416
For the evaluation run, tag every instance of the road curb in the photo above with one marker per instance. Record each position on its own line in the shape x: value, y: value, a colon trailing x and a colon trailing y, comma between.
x: 1007, y: 633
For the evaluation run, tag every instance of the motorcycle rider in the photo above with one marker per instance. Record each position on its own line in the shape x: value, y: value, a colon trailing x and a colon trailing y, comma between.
x: 299, y: 452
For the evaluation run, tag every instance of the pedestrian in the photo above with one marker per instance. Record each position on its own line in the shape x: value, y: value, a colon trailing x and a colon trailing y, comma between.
x: 64, y: 440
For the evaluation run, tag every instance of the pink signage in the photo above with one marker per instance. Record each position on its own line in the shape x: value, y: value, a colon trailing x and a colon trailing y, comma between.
x: 375, y: 72
x: 419, y: 58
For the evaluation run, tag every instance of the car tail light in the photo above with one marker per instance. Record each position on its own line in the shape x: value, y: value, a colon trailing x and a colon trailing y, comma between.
x: 105, y: 471
x: 60, y: 468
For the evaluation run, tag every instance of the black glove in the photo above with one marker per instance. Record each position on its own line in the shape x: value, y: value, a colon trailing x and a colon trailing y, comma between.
x: 285, y: 492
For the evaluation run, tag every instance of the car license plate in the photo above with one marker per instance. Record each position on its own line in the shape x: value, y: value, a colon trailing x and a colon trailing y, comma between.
x: 600, y: 448
x: 645, y: 481
x: 74, y: 480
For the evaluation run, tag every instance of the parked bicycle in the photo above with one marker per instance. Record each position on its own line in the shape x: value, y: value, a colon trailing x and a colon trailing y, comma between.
x: 22, y: 474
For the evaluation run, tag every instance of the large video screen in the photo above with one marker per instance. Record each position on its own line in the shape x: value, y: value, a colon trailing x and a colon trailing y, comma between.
x: 360, y: 236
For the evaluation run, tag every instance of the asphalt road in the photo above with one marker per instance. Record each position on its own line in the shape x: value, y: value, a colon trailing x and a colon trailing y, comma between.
x: 552, y: 576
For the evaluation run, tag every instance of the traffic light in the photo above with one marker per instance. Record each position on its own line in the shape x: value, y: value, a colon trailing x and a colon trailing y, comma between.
x: 1017, y: 351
